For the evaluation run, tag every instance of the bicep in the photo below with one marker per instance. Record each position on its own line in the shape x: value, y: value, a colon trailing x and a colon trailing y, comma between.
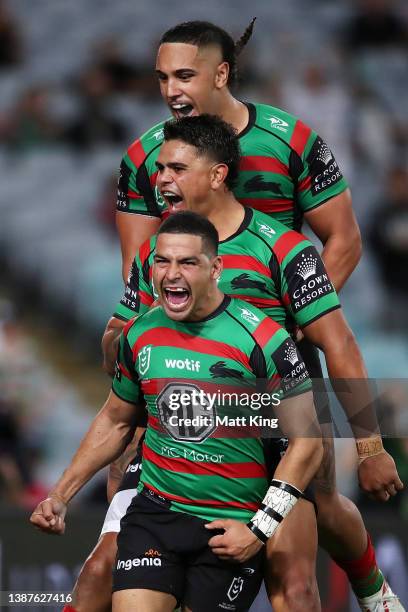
x: 334, y: 218
x: 121, y: 412
x: 133, y: 230
x: 330, y: 330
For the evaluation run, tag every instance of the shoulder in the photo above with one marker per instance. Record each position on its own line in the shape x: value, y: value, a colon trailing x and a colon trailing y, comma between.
x: 143, y: 323
x: 253, y: 321
x: 284, y: 126
x: 144, y: 146
x: 269, y: 229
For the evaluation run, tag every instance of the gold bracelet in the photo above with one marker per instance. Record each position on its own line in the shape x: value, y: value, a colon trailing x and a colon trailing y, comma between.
x: 369, y: 447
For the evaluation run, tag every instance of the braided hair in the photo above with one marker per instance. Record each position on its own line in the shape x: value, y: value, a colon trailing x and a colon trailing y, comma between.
x: 204, y: 33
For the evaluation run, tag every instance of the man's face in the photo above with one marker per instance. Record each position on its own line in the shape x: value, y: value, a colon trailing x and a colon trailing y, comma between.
x: 190, y: 78
x: 184, y: 178
x: 184, y: 276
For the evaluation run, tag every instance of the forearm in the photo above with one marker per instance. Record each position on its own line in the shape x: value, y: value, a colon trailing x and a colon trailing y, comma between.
x: 104, y: 442
x: 110, y: 342
x: 300, y: 462
x: 350, y: 383
x: 117, y: 468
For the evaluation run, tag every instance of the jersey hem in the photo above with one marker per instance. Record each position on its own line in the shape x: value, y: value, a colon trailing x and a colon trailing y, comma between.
x: 306, y: 210
x: 321, y: 315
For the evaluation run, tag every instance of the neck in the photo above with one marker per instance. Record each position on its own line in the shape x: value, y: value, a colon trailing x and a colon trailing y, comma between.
x: 226, y: 214
x: 233, y: 111
x: 212, y: 301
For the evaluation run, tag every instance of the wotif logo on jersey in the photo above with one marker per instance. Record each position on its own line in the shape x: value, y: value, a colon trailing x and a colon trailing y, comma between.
x: 191, y: 365
x: 277, y: 123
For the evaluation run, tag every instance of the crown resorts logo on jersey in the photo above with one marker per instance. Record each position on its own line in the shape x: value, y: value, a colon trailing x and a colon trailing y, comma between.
x: 290, y: 367
x: 291, y: 355
x: 277, y: 123
x: 265, y: 229
x: 323, y: 168
x: 249, y: 316
x: 307, y: 266
x: 144, y: 359
x: 307, y: 279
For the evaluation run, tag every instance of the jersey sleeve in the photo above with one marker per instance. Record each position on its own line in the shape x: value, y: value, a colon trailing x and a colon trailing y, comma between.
x: 125, y: 382
x: 136, y: 185
x: 317, y: 174
x: 280, y: 361
x: 305, y: 287
x: 139, y: 294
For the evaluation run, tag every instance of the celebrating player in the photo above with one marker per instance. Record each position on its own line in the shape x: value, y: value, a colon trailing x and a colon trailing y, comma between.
x: 264, y: 263
x: 199, y: 504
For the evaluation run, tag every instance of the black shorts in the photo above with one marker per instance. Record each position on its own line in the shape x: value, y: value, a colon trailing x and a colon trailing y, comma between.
x: 167, y: 551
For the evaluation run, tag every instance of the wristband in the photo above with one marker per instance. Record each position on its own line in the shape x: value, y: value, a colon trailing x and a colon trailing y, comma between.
x: 277, y: 503
x: 369, y: 447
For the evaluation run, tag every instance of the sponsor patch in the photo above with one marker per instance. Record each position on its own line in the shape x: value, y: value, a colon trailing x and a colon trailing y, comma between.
x: 290, y: 366
x: 307, y: 279
x: 323, y: 168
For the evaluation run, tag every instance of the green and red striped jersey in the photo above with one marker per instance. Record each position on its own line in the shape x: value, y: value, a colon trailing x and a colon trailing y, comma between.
x: 196, y: 454
x: 273, y: 268
x: 286, y: 169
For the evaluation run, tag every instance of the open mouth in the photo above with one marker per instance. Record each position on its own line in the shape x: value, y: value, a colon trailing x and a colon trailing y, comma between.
x: 173, y: 200
x: 177, y: 298
x: 181, y: 110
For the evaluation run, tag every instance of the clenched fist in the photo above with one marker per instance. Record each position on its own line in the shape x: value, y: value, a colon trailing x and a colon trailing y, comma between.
x: 49, y: 515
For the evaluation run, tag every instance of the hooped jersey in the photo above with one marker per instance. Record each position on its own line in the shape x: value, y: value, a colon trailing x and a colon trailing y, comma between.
x: 286, y: 169
x: 195, y: 453
x: 273, y: 268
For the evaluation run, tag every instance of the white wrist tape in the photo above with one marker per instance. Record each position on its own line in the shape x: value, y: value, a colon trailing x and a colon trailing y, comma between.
x: 277, y: 503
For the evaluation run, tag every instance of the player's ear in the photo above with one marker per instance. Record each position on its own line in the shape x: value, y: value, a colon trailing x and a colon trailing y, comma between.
x: 216, y: 267
x: 218, y: 175
x: 221, y: 75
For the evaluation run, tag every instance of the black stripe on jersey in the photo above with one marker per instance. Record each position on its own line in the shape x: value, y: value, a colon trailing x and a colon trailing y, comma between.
x: 146, y: 190
x: 295, y: 170
x: 146, y: 267
x: 123, y: 187
x: 128, y: 359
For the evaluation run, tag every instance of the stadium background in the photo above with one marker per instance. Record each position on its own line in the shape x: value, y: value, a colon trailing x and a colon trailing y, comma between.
x: 76, y: 87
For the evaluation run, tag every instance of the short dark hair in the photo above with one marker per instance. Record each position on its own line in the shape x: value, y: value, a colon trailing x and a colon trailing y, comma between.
x: 188, y: 222
x: 212, y: 137
x: 204, y: 33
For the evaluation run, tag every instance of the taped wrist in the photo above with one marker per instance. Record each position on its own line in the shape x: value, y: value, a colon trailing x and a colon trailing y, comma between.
x: 369, y: 447
x: 277, y: 503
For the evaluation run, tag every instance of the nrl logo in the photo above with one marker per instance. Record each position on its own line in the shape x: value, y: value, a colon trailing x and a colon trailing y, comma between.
x: 144, y: 359
x: 235, y: 588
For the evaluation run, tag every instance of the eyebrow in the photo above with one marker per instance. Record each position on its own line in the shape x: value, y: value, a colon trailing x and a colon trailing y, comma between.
x: 178, y: 72
x: 182, y: 260
x: 160, y: 166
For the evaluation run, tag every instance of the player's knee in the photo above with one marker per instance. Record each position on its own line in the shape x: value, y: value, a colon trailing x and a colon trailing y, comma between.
x: 297, y: 590
x: 98, y: 566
